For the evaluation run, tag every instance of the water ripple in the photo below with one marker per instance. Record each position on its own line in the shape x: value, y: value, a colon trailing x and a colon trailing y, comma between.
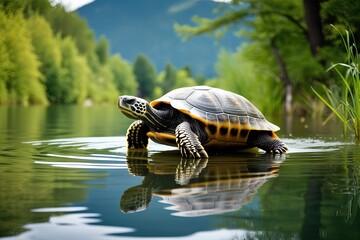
x: 83, y: 151
x: 303, y: 145
x: 83, y: 165
x: 95, y: 157
x: 59, y: 209
x: 79, y: 156
x: 86, y: 143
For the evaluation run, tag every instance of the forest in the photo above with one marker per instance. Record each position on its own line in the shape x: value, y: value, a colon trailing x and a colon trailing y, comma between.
x: 51, y: 56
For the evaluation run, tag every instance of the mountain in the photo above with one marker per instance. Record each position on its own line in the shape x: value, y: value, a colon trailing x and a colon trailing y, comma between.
x: 146, y: 26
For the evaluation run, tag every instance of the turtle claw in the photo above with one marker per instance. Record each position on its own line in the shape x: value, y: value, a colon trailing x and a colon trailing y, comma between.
x: 190, y: 152
x: 188, y: 142
x: 200, y: 154
x: 136, y: 135
x: 203, y: 154
x: 279, y: 148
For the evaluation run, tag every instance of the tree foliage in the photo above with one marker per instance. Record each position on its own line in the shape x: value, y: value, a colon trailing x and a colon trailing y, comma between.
x: 5, y: 62
x: 50, y: 55
x: 249, y: 78
x: 145, y: 74
x: 102, y: 50
x: 123, y: 75
x: 21, y: 67
x: 170, y: 77
x: 74, y: 74
x: 48, y: 51
x: 295, y: 36
x: 69, y: 24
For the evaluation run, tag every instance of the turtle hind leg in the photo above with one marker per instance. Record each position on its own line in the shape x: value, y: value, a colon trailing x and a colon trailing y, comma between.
x: 266, y: 141
x: 188, y: 142
x: 136, y: 135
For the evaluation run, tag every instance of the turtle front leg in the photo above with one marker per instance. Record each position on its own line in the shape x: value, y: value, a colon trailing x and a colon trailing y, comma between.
x: 188, y: 142
x: 264, y: 140
x: 136, y: 135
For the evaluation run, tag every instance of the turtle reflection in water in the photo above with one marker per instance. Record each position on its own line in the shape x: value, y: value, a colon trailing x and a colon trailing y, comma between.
x: 198, y: 187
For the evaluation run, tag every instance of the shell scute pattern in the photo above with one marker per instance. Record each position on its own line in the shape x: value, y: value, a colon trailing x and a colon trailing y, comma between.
x: 230, y: 103
x: 211, y: 117
x: 197, y: 113
x: 248, y: 109
x: 205, y: 101
x: 244, y: 121
x: 234, y: 120
x: 181, y: 104
x: 223, y: 118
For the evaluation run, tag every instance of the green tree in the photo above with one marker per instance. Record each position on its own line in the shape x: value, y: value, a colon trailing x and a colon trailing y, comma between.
x: 62, y: 22
x: 70, y: 24
x: 342, y: 13
x: 254, y: 80
x: 124, y: 78
x: 23, y: 82
x: 74, y: 74
x: 47, y: 48
x: 13, y: 6
x: 102, y: 50
x: 26, y: 7
x: 184, y: 80
x: 291, y: 33
x: 187, y: 68
x: 170, y: 76
x: 102, y: 87
x: 5, y: 63
x: 145, y: 74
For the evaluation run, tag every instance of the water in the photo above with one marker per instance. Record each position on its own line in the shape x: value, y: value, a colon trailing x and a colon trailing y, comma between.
x: 65, y: 174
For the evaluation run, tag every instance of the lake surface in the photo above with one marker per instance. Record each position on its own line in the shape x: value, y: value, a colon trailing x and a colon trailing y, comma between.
x: 65, y: 174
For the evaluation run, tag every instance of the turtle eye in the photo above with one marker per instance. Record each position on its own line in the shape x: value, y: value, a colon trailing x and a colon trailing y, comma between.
x: 130, y: 101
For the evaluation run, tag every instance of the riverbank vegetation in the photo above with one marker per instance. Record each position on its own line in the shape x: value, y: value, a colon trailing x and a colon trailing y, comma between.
x: 291, y: 44
x: 344, y: 99
x: 50, y: 56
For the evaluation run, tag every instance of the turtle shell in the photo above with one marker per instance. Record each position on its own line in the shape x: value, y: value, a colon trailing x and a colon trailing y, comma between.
x: 228, y: 117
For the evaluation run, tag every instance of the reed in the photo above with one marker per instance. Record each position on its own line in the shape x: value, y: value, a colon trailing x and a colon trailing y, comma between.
x: 344, y: 100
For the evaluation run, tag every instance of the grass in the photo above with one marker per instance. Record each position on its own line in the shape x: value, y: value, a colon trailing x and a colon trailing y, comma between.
x: 344, y: 100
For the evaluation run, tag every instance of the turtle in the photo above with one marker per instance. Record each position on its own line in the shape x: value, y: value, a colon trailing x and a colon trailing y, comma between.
x: 197, y: 119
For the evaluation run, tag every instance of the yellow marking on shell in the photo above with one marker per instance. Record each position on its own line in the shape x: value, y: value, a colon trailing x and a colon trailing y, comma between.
x: 164, y: 138
x: 227, y: 132
x: 157, y: 102
x: 238, y: 146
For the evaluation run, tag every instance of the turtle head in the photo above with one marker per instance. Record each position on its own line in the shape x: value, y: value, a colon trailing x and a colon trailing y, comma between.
x: 133, y: 107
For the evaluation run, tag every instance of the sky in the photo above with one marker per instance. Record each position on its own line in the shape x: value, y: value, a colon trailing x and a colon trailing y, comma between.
x: 72, y: 5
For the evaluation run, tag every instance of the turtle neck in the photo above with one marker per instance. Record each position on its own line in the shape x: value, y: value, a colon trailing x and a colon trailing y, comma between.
x: 158, y: 119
